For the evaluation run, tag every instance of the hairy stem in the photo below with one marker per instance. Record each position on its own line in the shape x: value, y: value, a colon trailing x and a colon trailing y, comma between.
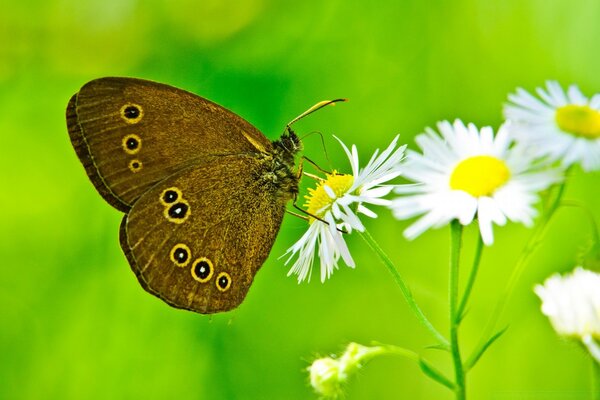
x: 455, y: 247
x: 595, y: 379
x: 532, y: 244
x: 472, y: 277
x: 412, y: 304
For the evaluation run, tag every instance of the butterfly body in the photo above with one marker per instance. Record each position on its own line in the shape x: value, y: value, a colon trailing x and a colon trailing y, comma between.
x: 204, y: 192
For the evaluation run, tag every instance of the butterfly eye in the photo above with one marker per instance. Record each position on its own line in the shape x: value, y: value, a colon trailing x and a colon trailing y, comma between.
x: 132, y: 144
x: 202, y: 270
x: 180, y: 255
x: 178, y: 212
x: 170, y: 195
x: 223, y: 281
x: 132, y: 113
x: 135, y: 165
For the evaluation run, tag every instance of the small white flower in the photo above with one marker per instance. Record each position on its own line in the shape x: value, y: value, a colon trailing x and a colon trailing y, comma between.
x: 572, y: 302
x: 325, y: 377
x: 338, y: 200
x: 560, y: 125
x: 468, y: 173
x: 328, y: 375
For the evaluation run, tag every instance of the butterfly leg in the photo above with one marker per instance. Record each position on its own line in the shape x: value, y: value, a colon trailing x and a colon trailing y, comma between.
x: 314, y: 164
x: 297, y: 207
x: 306, y: 213
x: 315, y: 177
x: 304, y: 217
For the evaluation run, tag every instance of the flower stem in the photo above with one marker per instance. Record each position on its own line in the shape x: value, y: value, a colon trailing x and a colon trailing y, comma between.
x: 534, y: 241
x: 532, y: 244
x: 472, y: 276
x: 399, y: 351
x: 427, y: 368
x: 593, y: 254
x: 412, y: 304
x: 455, y: 247
x: 595, y: 379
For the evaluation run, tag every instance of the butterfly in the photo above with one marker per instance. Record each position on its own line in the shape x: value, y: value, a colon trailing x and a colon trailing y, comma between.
x: 203, y: 191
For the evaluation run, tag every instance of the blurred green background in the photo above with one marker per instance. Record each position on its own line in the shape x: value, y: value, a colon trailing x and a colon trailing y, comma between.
x: 75, y: 324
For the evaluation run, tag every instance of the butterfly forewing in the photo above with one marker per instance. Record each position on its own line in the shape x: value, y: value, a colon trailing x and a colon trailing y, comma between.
x: 130, y: 134
x: 196, y: 241
x: 204, y: 191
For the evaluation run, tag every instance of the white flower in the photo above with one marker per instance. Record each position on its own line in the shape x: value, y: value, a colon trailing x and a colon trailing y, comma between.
x: 562, y: 126
x: 325, y: 377
x: 328, y: 375
x: 468, y: 173
x: 572, y: 302
x: 338, y: 200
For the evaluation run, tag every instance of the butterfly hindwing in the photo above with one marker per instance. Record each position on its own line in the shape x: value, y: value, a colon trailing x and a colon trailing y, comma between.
x: 131, y: 133
x: 196, y: 241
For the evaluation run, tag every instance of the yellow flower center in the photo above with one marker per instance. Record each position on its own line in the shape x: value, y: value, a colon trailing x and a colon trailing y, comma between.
x: 479, y: 175
x: 318, y: 201
x: 577, y: 120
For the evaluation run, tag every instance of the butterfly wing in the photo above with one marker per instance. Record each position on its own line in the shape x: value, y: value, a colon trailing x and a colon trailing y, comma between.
x: 131, y: 133
x: 197, y: 240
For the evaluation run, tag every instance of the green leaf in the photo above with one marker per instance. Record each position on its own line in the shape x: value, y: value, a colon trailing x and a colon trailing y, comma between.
x: 442, y: 347
x: 434, y: 374
x: 479, y: 352
x: 462, y: 316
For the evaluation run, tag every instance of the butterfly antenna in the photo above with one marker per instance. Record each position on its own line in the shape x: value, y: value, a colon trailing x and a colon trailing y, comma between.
x: 314, y: 108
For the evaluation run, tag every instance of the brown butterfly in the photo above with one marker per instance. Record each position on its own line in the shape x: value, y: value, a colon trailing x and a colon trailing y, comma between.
x: 203, y: 190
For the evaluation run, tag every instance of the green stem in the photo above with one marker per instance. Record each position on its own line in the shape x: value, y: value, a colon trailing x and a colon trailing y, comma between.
x: 591, y: 347
x: 595, y: 379
x: 363, y: 354
x: 412, y: 304
x: 426, y: 366
x: 399, y: 351
x: 455, y: 247
x: 594, y: 251
x: 472, y: 276
x: 532, y: 244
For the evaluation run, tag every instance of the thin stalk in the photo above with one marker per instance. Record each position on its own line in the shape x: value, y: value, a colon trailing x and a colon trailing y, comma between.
x: 472, y: 277
x: 426, y: 366
x: 366, y: 353
x: 532, y: 244
x: 593, y: 349
x: 595, y: 379
x: 399, y: 351
x: 594, y: 251
x: 412, y: 304
x: 455, y: 247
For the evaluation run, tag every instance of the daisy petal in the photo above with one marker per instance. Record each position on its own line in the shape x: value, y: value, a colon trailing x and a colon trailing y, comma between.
x: 564, y: 128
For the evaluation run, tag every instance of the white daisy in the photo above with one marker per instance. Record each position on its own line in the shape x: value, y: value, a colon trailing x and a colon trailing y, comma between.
x: 572, y: 303
x: 338, y: 200
x: 561, y: 125
x: 468, y: 173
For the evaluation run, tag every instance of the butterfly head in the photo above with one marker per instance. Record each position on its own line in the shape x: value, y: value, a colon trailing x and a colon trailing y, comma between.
x: 287, y: 146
